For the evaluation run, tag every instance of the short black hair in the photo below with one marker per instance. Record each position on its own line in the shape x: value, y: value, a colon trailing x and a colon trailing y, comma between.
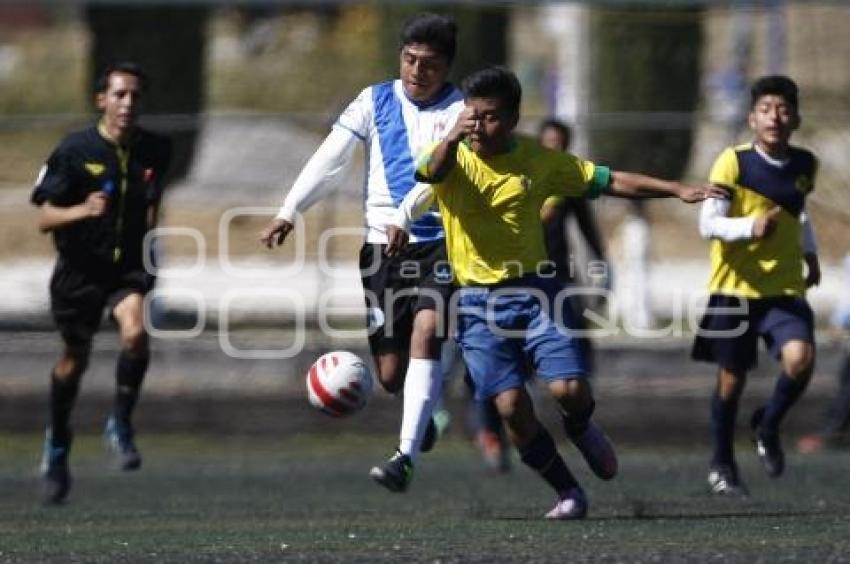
x: 494, y: 82
x: 559, y: 126
x: 101, y: 85
x: 435, y: 30
x: 776, y: 85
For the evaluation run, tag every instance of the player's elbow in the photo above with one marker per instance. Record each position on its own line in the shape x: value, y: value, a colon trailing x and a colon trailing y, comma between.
x: 706, y: 231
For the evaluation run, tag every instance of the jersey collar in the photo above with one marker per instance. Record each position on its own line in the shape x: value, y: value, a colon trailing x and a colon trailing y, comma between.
x: 441, y: 95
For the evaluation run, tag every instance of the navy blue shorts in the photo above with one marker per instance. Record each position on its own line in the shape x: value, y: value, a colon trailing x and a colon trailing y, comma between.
x: 730, y: 338
x: 506, y: 330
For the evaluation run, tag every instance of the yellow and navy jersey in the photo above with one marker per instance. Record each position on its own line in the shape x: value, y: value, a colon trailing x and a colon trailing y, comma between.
x: 491, y: 207
x: 772, y: 266
x: 85, y: 162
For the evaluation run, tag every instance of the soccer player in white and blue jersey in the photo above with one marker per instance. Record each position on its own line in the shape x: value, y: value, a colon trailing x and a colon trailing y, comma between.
x: 405, y: 289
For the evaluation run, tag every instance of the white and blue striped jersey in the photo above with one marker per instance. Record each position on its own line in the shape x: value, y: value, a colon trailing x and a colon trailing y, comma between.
x: 394, y: 130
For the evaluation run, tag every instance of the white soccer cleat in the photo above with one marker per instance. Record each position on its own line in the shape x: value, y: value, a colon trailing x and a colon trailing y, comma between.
x: 570, y: 507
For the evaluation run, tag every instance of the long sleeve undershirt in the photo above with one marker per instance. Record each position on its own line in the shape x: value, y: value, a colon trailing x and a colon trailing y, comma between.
x: 714, y: 224
x: 321, y: 174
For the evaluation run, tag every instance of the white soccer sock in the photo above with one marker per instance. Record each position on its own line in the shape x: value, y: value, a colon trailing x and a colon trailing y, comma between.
x: 422, y: 387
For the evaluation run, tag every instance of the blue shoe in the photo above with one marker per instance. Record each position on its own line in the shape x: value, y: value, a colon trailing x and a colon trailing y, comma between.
x: 54, y: 469
x: 119, y: 441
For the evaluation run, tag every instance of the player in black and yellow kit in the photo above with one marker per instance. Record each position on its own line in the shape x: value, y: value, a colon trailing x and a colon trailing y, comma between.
x: 760, y: 240
x: 99, y: 194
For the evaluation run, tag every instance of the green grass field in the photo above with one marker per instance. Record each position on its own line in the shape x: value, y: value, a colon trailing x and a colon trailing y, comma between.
x: 309, y: 498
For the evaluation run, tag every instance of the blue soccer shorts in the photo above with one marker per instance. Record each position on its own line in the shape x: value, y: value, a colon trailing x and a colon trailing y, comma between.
x: 730, y: 338
x: 506, y: 329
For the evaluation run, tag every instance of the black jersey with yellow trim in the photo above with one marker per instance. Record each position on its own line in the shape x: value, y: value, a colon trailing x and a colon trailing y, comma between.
x: 132, y: 177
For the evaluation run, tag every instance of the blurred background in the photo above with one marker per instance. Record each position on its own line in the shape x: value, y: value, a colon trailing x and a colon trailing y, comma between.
x: 248, y: 90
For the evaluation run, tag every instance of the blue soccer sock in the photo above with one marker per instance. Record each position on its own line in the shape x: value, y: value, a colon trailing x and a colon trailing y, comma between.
x: 786, y: 393
x: 723, y: 415
x: 541, y: 456
x: 129, y: 374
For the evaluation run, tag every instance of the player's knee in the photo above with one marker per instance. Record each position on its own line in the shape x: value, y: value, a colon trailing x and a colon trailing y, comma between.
x: 72, y: 364
x: 798, y: 359
x: 134, y: 340
x: 573, y: 394
x: 390, y: 374
x: 424, y: 340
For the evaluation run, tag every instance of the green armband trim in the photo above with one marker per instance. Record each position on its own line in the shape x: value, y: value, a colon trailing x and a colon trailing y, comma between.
x: 422, y: 162
x: 600, y: 183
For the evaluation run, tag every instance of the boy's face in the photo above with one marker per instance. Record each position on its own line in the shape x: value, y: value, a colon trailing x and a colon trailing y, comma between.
x: 120, y: 101
x: 552, y: 138
x: 773, y: 120
x: 423, y: 71
x: 494, y: 126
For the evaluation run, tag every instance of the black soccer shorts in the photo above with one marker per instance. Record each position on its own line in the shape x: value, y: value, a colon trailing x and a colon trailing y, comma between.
x: 396, y: 288
x: 78, y: 297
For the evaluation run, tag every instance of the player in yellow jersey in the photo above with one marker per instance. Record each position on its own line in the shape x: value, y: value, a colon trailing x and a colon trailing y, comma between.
x: 760, y: 240
x: 511, y: 311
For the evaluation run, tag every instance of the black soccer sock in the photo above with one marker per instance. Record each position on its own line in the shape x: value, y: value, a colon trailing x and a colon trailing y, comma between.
x: 575, y: 424
x: 129, y: 375
x: 488, y: 417
x: 541, y: 456
x: 723, y: 415
x: 786, y: 393
x: 63, y: 393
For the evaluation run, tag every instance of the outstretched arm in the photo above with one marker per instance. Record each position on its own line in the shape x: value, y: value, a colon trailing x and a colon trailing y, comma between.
x: 636, y: 185
x: 317, y: 179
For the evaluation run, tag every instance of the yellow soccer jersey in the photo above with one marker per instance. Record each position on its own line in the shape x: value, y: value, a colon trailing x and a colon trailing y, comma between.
x: 491, y: 207
x: 773, y: 266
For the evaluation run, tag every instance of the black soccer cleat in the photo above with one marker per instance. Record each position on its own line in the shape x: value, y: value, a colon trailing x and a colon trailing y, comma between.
x: 54, y: 469
x: 724, y: 481
x: 430, y: 437
x: 118, y: 438
x: 768, y: 447
x: 396, y: 474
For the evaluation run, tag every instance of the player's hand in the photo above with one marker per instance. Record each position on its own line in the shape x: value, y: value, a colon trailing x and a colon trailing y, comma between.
x: 692, y: 194
x: 96, y: 204
x: 813, y: 270
x: 466, y: 123
x: 765, y: 224
x: 396, y: 240
x: 275, y: 232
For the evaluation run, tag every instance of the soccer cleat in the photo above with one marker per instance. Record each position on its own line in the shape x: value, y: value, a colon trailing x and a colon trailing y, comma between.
x: 597, y: 451
x: 572, y: 505
x: 118, y: 438
x: 767, y: 445
x: 54, y: 468
x: 723, y: 480
x: 494, y: 451
x: 430, y: 437
x: 395, y: 474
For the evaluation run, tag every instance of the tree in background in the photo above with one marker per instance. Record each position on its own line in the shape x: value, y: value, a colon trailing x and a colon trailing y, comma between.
x: 168, y: 42
x: 643, y: 61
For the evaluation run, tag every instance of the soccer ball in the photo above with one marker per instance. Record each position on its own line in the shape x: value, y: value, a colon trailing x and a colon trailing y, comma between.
x: 339, y: 383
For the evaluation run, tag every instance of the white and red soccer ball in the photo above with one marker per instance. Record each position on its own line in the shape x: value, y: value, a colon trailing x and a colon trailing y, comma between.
x: 339, y: 383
